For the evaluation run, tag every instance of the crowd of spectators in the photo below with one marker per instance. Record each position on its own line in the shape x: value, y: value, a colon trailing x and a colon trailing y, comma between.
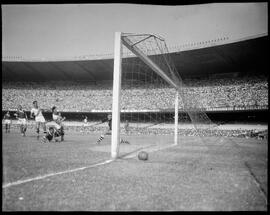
x: 88, y: 96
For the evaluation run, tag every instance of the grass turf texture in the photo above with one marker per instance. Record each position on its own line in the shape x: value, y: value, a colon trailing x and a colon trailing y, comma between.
x: 194, y: 175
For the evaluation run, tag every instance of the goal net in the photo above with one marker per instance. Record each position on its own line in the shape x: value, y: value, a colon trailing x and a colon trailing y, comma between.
x: 151, y: 104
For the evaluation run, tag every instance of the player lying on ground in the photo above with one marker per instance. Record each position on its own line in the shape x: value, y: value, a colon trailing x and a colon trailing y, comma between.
x: 22, y: 119
x: 109, y: 130
x: 55, y: 128
x: 39, y: 118
x: 7, y: 122
x: 54, y: 132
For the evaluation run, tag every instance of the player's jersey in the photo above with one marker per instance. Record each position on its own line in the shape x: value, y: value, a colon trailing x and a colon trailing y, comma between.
x: 57, y: 118
x: 37, y: 112
x: 7, y: 116
x: 109, y: 122
x: 21, y: 114
x: 126, y: 125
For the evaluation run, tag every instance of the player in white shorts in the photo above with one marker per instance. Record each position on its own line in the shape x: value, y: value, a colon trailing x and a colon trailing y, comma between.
x: 22, y: 119
x: 7, y: 122
x: 39, y: 118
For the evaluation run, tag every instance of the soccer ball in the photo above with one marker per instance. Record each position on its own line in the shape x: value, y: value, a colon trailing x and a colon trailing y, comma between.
x: 143, y: 155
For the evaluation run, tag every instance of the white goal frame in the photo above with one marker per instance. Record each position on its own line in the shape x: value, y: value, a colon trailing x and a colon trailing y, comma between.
x: 117, y: 74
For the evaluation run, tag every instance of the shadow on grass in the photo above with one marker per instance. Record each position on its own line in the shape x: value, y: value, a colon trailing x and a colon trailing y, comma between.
x: 134, y: 151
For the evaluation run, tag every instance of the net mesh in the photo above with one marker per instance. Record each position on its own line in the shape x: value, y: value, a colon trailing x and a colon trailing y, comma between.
x: 147, y: 98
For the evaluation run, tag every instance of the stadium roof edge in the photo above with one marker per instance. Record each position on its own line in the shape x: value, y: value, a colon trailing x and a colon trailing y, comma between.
x: 239, y: 56
x: 172, y: 49
x: 218, y: 42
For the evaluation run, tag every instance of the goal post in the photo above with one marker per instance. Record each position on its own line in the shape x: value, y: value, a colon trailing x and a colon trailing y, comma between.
x: 116, y: 95
x: 116, y: 103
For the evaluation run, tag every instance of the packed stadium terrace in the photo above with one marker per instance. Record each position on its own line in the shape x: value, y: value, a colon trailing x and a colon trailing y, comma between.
x: 246, y: 92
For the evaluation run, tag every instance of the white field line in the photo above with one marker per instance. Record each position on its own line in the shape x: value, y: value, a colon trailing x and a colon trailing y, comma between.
x: 53, y: 174
x: 74, y: 170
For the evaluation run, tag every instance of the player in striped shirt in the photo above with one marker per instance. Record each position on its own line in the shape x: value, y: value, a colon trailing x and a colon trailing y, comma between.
x: 22, y: 119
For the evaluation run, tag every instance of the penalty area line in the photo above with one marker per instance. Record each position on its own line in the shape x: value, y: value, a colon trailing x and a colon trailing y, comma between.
x: 54, y: 174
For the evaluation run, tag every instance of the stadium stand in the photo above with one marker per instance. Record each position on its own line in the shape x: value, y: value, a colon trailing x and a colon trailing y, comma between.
x: 246, y: 92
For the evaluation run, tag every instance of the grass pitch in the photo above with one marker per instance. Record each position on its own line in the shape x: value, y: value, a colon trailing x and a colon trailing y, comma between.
x: 192, y: 176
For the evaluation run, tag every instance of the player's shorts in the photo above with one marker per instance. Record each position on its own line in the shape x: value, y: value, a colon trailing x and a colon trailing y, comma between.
x: 22, y: 121
x: 40, y: 119
x: 53, y: 124
x: 85, y: 124
x: 49, y: 136
x: 7, y: 121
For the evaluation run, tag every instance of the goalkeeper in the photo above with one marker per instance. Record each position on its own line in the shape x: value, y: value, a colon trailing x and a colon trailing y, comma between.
x: 109, y: 130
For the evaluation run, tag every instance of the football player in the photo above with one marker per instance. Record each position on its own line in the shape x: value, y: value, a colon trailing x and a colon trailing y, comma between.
x: 55, y: 127
x: 7, y: 122
x: 109, y: 130
x: 39, y: 118
x: 22, y: 119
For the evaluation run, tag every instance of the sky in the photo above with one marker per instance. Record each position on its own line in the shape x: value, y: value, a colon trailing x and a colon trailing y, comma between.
x: 70, y: 30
